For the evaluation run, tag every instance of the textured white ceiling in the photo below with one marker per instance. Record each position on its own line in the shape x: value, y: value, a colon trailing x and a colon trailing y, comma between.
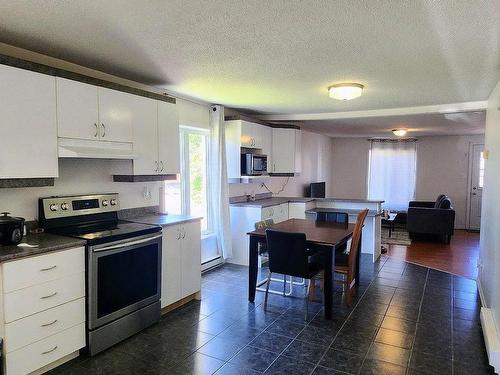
x: 275, y: 56
x: 417, y: 125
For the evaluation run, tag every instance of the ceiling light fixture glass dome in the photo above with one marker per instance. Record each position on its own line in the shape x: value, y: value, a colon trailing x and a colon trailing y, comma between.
x: 345, y: 91
x: 399, y: 132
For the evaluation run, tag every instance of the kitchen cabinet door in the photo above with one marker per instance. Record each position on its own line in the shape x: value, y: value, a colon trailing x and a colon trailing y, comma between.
x: 116, y: 115
x: 145, y: 136
x: 168, y: 138
x: 77, y: 110
x: 171, y: 266
x: 251, y: 135
x: 191, y: 258
x: 282, y: 212
x: 267, y: 144
x: 286, y: 151
x: 28, y: 127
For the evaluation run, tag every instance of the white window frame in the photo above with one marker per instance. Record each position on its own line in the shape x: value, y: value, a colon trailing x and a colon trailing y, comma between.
x: 184, y: 131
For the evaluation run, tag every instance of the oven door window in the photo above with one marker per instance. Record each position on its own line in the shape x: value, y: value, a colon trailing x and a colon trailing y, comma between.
x: 125, y: 278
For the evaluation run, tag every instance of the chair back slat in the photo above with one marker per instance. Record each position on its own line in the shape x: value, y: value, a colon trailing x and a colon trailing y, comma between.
x: 287, y: 253
x: 356, y: 237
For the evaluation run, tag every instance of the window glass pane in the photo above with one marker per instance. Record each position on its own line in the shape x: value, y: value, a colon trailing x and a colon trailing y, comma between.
x: 481, y: 171
x: 197, y: 144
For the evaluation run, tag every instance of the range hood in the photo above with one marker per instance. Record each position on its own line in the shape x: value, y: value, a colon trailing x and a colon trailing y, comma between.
x: 90, y: 149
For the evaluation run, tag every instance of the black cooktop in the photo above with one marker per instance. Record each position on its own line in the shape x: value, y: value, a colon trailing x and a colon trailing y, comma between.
x: 108, y: 231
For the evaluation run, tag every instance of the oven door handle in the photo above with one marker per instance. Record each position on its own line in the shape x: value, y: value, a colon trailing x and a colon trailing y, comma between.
x: 127, y: 244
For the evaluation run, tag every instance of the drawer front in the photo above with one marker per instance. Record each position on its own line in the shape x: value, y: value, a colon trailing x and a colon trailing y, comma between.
x: 43, y: 352
x: 28, y: 301
x: 40, y: 269
x: 28, y: 330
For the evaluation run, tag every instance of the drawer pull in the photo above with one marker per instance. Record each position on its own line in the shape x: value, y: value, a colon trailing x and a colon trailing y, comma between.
x: 50, y: 351
x: 50, y: 295
x: 48, y: 269
x: 49, y: 324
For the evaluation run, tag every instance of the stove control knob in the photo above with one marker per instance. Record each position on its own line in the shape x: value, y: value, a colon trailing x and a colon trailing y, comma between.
x: 54, y: 207
x: 64, y: 206
x: 105, y: 203
x: 113, y: 202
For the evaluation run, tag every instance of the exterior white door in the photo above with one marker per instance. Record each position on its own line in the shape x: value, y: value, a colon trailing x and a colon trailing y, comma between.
x: 476, y: 186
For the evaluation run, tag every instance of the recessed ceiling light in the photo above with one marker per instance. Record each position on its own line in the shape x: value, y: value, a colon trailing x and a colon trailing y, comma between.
x: 399, y: 132
x: 345, y: 91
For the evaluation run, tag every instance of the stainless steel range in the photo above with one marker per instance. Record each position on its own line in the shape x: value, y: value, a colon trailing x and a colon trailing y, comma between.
x: 123, y: 264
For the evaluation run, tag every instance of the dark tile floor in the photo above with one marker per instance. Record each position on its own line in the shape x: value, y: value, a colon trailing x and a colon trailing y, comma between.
x: 406, y: 319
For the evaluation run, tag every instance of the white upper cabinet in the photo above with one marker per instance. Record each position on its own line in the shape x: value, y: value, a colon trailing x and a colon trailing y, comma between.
x: 116, y: 117
x: 28, y: 127
x: 145, y: 131
x: 251, y: 134
x: 286, y: 151
x: 156, y: 138
x: 77, y: 114
x: 168, y: 138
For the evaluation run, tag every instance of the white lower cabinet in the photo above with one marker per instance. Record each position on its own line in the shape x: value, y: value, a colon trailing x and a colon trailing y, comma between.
x: 43, y: 299
x: 46, y: 351
x: 181, y: 262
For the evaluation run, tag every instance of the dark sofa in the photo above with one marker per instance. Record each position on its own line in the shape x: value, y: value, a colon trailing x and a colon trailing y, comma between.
x: 436, y: 219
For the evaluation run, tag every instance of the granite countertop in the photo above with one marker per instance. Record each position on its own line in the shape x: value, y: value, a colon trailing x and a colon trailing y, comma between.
x: 40, y: 243
x: 267, y: 202
x: 163, y: 220
x: 349, y: 211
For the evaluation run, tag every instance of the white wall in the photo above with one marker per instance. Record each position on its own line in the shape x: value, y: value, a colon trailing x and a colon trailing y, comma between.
x: 489, y: 258
x: 442, y: 167
x: 350, y: 167
x: 316, y: 166
x: 81, y: 176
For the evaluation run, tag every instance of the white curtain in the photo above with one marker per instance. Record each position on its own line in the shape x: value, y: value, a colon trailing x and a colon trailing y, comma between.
x: 393, y: 172
x: 219, y: 189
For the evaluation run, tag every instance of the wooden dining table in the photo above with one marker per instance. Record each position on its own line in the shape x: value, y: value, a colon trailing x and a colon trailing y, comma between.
x: 321, y: 236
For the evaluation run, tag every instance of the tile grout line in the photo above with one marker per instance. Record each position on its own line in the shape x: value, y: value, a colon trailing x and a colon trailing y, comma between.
x: 347, y: 318
x: 378, y: 328
x: 416, y: 324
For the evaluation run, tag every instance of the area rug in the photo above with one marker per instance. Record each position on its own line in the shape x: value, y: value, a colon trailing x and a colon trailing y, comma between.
x: 399, y: 236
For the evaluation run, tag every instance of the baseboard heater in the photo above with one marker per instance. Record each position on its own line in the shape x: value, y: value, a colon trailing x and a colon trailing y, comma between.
x: 491, y: 338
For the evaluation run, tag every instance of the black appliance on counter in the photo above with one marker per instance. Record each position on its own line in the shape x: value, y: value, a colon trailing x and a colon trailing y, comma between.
x: 11, y: 229
x: 123, y: 265
x: 316, y: 190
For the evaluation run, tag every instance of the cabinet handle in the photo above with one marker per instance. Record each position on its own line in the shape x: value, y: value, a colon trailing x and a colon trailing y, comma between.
x: 49, y: 324
x: 103, y: 130
x: 157, y: 166
x: 178, y: 234
x: 51, y: 350
x: 96, y: 130
x: 183, y: 233
x: 48, y: 269
x: 50, y: 295
x: 161, y: 163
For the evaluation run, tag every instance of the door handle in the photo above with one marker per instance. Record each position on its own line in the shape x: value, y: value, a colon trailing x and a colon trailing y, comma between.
x: 103, y: 130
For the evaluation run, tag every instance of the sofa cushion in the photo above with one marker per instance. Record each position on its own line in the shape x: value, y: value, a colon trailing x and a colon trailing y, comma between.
x: 445, y: 203
x: 439, y: 200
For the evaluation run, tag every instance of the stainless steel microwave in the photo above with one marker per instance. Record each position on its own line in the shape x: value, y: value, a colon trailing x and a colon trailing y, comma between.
x: 253, y: 164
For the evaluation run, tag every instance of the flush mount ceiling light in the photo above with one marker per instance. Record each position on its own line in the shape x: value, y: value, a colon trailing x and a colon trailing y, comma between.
x: 399, y: 132
x: 345, y: 91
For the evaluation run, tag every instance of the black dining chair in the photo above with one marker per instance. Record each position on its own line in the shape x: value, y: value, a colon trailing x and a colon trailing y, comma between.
x: 289, y: 256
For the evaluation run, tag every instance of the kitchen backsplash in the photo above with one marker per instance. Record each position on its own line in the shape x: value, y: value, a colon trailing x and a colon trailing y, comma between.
x: 82, y: 176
